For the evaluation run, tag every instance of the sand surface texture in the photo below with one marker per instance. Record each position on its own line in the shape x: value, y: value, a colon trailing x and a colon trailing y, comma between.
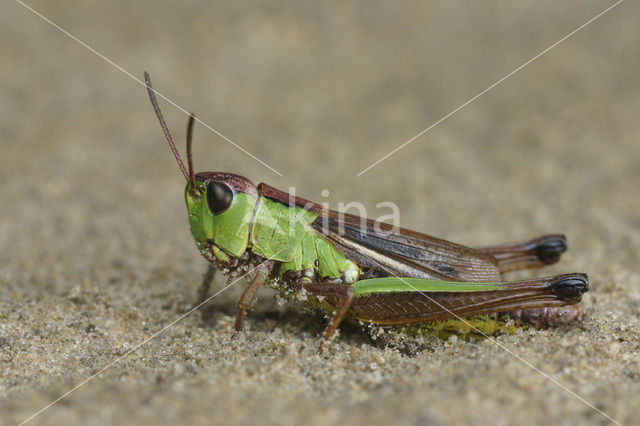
x: 96, y: 255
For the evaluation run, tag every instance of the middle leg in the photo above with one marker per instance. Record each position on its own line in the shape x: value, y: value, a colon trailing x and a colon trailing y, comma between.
x: 343, y: 292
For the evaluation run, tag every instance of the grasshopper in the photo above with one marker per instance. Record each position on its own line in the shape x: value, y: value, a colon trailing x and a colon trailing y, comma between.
x: 366, y: 271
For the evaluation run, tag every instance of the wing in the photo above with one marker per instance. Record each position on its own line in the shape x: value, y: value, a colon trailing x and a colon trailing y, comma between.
x: 396, y: 251
x: 405, y: 253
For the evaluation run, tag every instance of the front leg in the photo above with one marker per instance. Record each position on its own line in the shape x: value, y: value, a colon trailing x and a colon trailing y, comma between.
x: 343, y: 292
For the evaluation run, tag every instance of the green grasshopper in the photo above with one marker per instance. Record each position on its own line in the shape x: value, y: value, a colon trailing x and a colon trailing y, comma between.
x: 363, y: 270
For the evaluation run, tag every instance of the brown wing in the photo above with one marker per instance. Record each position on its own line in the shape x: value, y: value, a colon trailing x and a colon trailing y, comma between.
x: 396, y: 251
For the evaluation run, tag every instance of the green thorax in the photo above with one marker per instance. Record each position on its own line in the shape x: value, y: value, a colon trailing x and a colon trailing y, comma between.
x: 285, y: 234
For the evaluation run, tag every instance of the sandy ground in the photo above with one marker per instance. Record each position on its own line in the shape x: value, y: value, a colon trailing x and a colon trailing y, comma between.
x: 96, y: 255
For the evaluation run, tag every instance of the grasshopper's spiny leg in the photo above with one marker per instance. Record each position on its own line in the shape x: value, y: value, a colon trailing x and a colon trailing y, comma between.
x: 262, y: 273
x: 401, y: 307
x: 203, y: 290
x: 343, y: 292
x: 534, y: 253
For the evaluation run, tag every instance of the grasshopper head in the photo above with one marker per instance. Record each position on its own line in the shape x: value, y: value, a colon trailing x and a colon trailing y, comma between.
x: 220, y: 210
x: 220, y: 205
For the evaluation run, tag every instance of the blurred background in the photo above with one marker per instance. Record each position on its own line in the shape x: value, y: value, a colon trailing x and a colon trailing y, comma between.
x: 92, y: 221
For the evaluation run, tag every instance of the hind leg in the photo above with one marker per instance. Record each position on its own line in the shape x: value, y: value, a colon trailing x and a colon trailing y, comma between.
x: 534, y: 253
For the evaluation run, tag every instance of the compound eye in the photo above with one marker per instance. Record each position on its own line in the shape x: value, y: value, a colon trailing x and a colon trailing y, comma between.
x: 219, y: 196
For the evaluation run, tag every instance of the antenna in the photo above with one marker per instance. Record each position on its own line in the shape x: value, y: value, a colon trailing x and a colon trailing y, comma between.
x: 167, y: 134
x: 192, y: 176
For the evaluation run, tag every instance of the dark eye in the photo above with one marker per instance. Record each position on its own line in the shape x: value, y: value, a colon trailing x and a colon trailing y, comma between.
x: 219, y: 196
